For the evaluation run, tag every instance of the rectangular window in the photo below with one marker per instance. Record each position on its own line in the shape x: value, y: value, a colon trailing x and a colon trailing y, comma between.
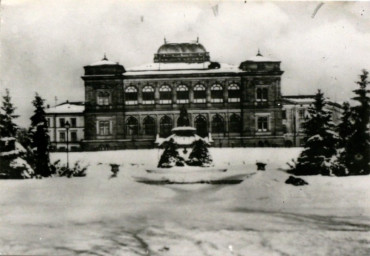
x: 262, y: 124
x: 261, y: 94
x: 62, y: 122
x: 301, y: 113
x: 73, y: 122
x: 283, y: 114
x: 48, y: 120
x: 103, y: 100
x: 73, y: 136
x: 62, y: 136
x: 104, y: 128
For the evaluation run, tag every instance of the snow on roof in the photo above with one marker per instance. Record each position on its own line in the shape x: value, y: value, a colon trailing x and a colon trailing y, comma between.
x: 170, y: 66
x: 66, y: 108
x: 300, y: 99
x: 179, y: 68
x: 260, y: 58
x: 103, y: 62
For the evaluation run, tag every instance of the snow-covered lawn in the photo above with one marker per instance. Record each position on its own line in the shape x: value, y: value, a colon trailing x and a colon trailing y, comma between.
x: 96, y: 215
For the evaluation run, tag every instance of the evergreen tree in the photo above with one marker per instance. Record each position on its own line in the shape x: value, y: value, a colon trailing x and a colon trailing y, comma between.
x: 200, y: 156
x: 170, y: 156
x: 12, y: 164
x: 320, y: 141
x: 7, y: 127
x: 357, y: 150
x: 40, y: 138
x: 345, y: 128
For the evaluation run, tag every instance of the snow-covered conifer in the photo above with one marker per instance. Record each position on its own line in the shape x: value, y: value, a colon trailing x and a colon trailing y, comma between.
x: 200, y: 156
x: 320, y: 141
x: 12, y: 163
x: 346, y: 127
x: 40, y: 138
x: 357, y: 149
x: 7, y: 127
x: 170, y: 156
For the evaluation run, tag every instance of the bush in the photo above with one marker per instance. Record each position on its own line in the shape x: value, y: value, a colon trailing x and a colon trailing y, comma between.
x: 63, y: 171
x: 170, y: 156
x: 200, y: 156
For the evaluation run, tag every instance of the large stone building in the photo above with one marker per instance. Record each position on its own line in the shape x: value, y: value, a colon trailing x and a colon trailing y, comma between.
x: 239, y: 105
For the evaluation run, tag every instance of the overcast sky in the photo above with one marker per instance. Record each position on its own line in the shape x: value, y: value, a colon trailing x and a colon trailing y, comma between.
x: 46, y: 43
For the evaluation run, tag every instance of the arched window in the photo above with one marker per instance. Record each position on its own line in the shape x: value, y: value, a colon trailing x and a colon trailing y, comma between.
x: 131, y: 95
x: 234, y: 124
x: 148, y: 95
x: 165, y: 126
x: 182, y: 94
x: 234, y: 93
x: 132, y: 127
x: 103, y: 98
x: 200, y: 94
x: 217, y: 95
x: 149, y: 125
x: 218, y: 125
x: 201, y: 126
x: 165, y: 95
x: 261, y: 94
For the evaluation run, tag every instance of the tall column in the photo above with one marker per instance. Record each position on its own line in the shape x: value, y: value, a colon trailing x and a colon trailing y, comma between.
x: 209, y: 122
x: 140, y: 124
x: 174, y: 95
x: 225, y: 93
x: 139, y: 95
x: 156, y: 95
x: 208, y: 95
x: 191, y: 94
x: 157, y: 122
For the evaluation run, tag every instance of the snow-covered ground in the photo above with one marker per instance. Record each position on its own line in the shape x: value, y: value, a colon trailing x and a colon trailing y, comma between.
x: 97, y: 215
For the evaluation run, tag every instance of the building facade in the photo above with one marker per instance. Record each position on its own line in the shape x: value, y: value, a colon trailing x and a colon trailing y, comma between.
x: 239, y: 105
x: 295, y: 111
x: 71, y: 113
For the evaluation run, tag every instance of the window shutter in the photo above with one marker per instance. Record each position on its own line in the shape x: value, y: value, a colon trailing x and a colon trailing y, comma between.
x: 110, y: 127
x: 97, y: 127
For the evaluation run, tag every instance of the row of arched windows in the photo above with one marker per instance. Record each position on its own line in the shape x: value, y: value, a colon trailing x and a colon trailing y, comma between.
x: 218, y: 125
x: 182, y: 92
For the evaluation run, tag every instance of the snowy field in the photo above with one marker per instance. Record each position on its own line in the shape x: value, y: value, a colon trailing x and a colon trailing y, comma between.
x: 96, y: 215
